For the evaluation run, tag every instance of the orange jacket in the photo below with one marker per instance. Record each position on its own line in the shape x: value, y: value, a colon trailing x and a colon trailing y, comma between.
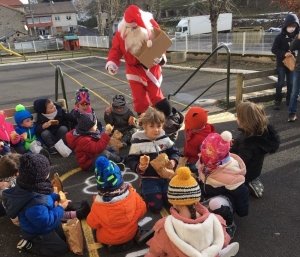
x: 117, y: 222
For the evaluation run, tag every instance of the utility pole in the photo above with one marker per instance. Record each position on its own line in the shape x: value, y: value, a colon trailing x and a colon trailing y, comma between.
x: 99, y: 17
x: 31, y: 12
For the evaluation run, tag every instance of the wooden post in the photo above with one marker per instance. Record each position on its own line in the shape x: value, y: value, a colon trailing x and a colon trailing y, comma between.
x: 239, y: 88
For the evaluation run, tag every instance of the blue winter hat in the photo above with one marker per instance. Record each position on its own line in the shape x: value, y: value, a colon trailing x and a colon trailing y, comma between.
x: 21, y: 114
x: 108, y: 175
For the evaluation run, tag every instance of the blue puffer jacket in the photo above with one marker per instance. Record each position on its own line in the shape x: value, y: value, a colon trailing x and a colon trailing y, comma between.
x: 36, y: 212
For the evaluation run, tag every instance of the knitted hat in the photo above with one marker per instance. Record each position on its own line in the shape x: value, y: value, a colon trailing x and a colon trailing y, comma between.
x: 33, y: 170
x: 196, y: 118
x: 9, y: 165
x: 215, y: 148
x: 164, y: 106
x: 85, y: 121
x: 183, y: 188
x: 40, y: 105
x: 119, y: 101
x: 82, y: 96
x: 133, y: 16
x: 21, y: 114
x: 108, y: 175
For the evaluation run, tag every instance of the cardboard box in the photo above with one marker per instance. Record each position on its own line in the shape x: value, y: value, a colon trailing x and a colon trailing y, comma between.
x: 160, y: 44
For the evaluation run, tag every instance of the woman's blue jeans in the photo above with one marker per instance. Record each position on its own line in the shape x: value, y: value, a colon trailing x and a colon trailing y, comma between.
x: 295, y: 92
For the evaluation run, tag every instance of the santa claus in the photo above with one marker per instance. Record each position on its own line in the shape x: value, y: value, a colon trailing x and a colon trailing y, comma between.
x: 136, y: 28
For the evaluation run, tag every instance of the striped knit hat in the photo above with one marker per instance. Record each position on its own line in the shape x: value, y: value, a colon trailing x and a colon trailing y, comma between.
x: 183, y: 188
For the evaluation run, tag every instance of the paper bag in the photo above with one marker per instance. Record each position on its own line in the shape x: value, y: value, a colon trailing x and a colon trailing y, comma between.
x: 73, y: 232
x: 290, y: 62
x: 34, y: 147
x: 62, y: 148
x: 160, y: 164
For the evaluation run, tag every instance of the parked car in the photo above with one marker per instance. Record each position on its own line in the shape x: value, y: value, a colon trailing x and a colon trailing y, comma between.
x: 46, y: 37
x: 272, y: 29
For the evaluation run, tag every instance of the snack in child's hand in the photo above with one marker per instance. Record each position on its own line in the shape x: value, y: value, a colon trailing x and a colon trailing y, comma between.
x: 131, y: 120
x: 1, y: 144
x: 13, y: 135
x: 55, y: 190
x: 62, y: 197
x: 54, y: 122
x: 24, y: 135
x: 109, y: 128
x: 144, y: 160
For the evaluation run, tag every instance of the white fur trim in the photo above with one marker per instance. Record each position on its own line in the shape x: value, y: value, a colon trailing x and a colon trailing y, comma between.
x: 149, y: 43
x: 136, y: 78
x: 156, y: 81
x: 196, y: 240
x: 111, y: 63
x: 226, y: 136
x: 164, y: 57
x: 130, y: 25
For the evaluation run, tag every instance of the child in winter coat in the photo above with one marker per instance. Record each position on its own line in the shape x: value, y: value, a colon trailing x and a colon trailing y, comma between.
x: 8, y: 173
x: 32, y: 200
x: 7, y: 135
x: 174, y: 118
x: 152, y: 141
x: 121, y: 118
x: 257, y: 138
x: 190, y: 230
x: 50, y: 124
x: 88, y: 143
x: 196, y: 130
x: 222, y: 177
x: 116, y: 209
x: 83, y: 103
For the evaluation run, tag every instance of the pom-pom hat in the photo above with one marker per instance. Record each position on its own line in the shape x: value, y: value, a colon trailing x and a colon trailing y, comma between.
x: 118, y: 101
x: 108, y: 175
x: 85, y: 121
x: 21, y: 114
x: 196, y: 118
x: 183, y: 188
x: 215, y: 148
x: 164, y: 106
x: 82, y: 96
x: 134, y: 16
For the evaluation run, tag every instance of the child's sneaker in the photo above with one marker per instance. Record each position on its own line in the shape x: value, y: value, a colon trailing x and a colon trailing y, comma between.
x: 83, y: 210
x: 52, y: 150
x: 256, y: 188
x: 231, y: 229
x: 230, y: 250
x: 143, y: 235
x: 121, y: 248
x: 24, y: 244
x: 46, y: 154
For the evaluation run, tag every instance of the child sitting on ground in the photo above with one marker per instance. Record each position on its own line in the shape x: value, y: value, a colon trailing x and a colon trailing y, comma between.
x: 257, y: 138
x: 196, y: 130
x: 88, y: 143
x: 174, y: 119
x: 50, y: 124
x: 152, y: 141
x: 190, y: 230
x: 121, y: 117
x: 116, y: 209
x: 83, y: 103
x: 32, y: 200
x: 7, y: 135
x: 222, y: 177
x: 8, y: 173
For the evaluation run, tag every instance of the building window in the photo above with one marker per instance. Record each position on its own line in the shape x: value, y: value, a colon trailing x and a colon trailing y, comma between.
x: 29, y: 20
x: 68, y: 17
x: 45, y: 19
x: 57, y: 18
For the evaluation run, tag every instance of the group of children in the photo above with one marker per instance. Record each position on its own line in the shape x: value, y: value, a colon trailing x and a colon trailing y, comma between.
x: 203, y: 195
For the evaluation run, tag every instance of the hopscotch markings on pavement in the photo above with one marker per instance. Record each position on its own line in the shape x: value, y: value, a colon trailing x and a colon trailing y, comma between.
x: 138, y: 253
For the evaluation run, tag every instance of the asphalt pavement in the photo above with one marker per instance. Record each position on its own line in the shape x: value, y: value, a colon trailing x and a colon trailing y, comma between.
x: 272, y: 227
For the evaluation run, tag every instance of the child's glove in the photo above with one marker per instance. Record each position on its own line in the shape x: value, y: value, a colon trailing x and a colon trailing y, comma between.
x: 111, y: 69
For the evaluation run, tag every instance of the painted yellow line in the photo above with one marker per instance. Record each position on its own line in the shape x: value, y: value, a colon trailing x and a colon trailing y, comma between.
x: 69, y: 173
x: 89, y: 239
x: 164, y: 212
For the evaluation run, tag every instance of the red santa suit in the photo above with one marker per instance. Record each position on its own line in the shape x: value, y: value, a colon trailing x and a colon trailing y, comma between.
x: 144, y: 83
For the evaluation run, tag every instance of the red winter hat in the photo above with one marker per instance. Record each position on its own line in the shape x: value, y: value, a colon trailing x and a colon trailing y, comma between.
x: 196, y: 118
x: 134, y: 16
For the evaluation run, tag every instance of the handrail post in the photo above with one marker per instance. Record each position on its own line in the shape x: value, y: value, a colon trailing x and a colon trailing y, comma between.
x: 58, y: 72
x: 239, y: 88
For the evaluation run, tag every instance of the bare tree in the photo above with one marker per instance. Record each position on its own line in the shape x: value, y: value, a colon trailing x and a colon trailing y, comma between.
x: 290, y: 5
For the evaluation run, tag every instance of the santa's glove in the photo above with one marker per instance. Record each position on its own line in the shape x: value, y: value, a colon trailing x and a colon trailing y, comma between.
x: 111, y: 69
x: 157, y: 60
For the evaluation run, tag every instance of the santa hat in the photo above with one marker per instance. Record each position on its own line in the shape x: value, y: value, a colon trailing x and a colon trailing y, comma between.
x: 82, y: 96
x: 215, y: 148
x: 196, y: 118
x: 134, y: 16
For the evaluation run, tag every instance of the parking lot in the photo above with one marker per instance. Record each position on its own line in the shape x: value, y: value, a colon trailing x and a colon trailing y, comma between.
x: 270, y: 230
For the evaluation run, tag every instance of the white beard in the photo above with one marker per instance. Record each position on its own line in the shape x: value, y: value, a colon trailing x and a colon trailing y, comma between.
x: 134, y: 38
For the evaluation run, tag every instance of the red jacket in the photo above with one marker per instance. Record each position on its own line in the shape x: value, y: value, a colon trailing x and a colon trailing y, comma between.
x: 116, y: 222
x: 86, y: 148
x: 193, y: 142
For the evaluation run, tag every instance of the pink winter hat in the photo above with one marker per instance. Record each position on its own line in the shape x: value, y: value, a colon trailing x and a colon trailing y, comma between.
x: 215, y: 147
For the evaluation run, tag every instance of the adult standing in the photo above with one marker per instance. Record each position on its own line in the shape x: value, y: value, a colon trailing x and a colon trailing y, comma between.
x: 136, y: 28
x: 281, y: 48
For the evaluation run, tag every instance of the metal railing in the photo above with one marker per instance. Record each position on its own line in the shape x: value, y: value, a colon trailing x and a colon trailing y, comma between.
x: 200, y: 66
x: 59, y: 73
